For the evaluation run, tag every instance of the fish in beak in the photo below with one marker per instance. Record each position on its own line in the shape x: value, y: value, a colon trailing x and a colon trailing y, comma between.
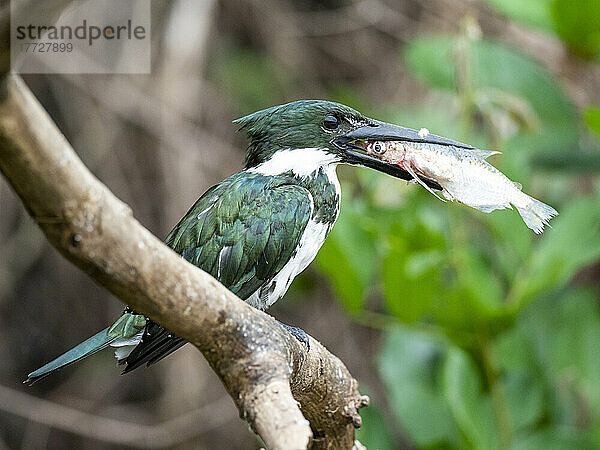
x: 354, y: 145
x: 459, y: 170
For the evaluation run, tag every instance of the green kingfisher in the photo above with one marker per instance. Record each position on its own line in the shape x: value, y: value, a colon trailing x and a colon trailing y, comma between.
x: 258, y: 229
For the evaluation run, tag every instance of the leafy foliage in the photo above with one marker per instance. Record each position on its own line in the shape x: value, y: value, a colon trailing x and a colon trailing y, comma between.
x: 491, y: 341
x: 409, y: 365
x: 350, y: 267
x: 489, y: 333
x: 577, y: 23
x: 532, y: 12
x: 592, y: 119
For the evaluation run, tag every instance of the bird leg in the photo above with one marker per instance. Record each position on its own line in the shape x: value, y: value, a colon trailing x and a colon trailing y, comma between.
x: 298, y: 333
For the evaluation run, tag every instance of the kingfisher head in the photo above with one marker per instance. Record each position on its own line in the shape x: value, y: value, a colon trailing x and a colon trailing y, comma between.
x: 336, y: 131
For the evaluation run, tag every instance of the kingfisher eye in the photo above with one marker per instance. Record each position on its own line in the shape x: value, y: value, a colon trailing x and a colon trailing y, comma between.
x: 330, y: 122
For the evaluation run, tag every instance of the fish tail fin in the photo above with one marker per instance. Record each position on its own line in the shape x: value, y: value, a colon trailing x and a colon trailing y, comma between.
x: 88, y: 347
x: 535, y: 214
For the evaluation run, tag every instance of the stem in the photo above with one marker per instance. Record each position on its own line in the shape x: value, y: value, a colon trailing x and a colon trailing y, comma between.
x: 464, y: 85
x: 386, y: 322
x: 499, y: 404
x: 514, y: 297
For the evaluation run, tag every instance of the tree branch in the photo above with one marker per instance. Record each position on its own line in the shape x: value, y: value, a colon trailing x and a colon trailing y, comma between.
x: 273, y: 380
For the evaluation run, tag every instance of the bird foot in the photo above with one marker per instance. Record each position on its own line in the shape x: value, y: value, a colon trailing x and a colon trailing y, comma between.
x: 298, y: 333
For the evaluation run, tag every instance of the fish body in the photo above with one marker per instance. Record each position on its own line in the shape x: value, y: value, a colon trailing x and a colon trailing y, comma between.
x: 465, y: 176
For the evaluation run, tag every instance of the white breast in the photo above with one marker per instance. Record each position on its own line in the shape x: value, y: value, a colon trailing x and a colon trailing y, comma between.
x: 311, y: 241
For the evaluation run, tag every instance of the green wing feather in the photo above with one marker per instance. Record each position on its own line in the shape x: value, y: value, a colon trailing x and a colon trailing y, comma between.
x: 242, y: 232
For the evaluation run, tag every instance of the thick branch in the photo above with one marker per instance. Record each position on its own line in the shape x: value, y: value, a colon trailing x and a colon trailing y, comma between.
x: 261, y: 365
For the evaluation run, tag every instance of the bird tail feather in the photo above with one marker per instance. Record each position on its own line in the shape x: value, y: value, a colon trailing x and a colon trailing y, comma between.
x: 88, y: 347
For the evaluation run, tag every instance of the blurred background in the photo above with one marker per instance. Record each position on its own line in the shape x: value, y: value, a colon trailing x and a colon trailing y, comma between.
x: 466, y: 329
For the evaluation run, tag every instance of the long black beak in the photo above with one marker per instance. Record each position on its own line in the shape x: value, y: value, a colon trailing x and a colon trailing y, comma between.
x: 354, y: 152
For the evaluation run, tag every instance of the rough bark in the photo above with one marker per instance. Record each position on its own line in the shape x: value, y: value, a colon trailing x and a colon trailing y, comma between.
x: 291, y: 397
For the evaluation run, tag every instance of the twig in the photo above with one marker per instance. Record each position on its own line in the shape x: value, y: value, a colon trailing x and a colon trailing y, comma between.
x: 161, y: 435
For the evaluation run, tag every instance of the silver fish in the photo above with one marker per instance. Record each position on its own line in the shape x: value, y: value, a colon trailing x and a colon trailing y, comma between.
x: 465, y: 176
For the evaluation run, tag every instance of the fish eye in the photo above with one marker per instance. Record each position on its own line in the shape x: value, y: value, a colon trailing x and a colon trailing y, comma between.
x: 331, y: 122
x: 379, y: 148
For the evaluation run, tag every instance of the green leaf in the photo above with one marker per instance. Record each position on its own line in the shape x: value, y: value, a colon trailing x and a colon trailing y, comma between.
x: 572, y: 243
x: 334, y: 262
x: 429, y: 58
x: 411, y: 271
x: 478, y: 279
x: 530, y: 12
x: 511, y: 239
x: 470, y: 407
x: 524, y: 398
x: 554, y: 439
x: 374, y: 433
x: 563, y: 334
x: 592, y: 119
x: 512, y: 352
x: 409, y: 366
x: 520, y: 381
x: 349, y: 256
x: 578, y: 24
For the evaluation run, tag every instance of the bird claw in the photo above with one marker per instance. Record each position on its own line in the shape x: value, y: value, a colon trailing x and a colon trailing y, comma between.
x: 298, y: 333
